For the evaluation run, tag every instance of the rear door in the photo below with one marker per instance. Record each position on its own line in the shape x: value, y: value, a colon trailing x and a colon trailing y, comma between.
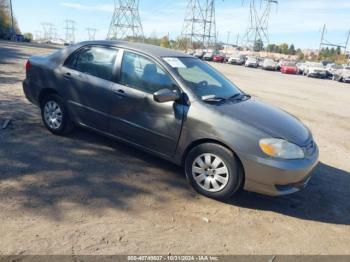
x: 135, y: 116
x: 87, y: 81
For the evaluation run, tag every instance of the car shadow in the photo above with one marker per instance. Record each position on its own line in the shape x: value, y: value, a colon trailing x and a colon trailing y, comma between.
x: 325, y: 200
x: 98, y: 173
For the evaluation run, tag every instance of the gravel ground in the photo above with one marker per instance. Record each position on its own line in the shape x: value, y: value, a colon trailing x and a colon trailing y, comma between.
x: 85, y: 194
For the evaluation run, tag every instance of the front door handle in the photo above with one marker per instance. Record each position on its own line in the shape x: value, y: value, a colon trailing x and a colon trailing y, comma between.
x: 119, y: 92
x: 68, y: 76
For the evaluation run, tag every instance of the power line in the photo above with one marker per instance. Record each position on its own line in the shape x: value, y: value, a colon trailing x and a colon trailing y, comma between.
x: 126, y: 21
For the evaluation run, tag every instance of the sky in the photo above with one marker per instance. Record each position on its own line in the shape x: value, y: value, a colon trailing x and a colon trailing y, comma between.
x: 294, y: 21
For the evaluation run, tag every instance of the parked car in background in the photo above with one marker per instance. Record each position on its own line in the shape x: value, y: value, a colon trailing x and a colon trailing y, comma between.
x: 178, y: 108
x: 208, y: 56
x: 237, y: 60
x: 342, y: 75
x: 219, y: 57
x: 261, y: 61
x: 280, y: 63
x: 269, y: 64
x: 289, y: 68
x: 326, y: 62
x: 331, y: 69
x: 199, y: 54
x: 190, y: 52
x: 251, y: 62
x: 301, y: 67
x: 314, y: 69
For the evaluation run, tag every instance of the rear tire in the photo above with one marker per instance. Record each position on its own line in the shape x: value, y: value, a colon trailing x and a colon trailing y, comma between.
x: 55, y: 115
x: 214, y: 171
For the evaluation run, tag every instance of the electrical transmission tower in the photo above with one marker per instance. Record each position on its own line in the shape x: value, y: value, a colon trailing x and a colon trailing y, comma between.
x: 259, y: 16
x: 324, y: 42
x: 49, y: 31
x: 70, y: 31
x: 91, y: 33
x: 199, y: 29
x: 126, y: 21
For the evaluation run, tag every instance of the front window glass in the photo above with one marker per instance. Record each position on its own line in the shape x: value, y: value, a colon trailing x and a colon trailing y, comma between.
x: 143, y: 74
x: 203, y: 80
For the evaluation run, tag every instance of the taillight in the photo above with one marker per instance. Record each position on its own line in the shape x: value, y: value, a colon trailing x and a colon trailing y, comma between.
x: 28, y: 65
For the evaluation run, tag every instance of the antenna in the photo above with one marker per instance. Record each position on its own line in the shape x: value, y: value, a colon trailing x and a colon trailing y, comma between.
x: 199, y: 28
x: 70, y: 31
x: 91, y: 33
x: 259, y: 17
x: 126, y: 21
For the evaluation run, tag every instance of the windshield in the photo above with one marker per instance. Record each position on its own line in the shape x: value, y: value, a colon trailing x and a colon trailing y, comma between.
x: 317, y: 65
x: 270, y: 61
x: 289, y: 64
x: 203, y: 80
x: 252, y: 59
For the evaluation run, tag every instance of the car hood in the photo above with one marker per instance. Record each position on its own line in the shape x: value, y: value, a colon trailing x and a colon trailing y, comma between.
x: 317, y: 69
x: 290, y: 67
x: 271, y: 120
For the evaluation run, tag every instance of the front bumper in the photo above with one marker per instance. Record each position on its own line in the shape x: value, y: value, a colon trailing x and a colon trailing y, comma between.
x: 317, y: 74
x: 276, y: 177
x: 346, y: 79
x: 251, y: 65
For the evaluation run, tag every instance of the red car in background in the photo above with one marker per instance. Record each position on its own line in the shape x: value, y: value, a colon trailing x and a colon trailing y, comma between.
x: 219, y: 58
x: 289, y: 68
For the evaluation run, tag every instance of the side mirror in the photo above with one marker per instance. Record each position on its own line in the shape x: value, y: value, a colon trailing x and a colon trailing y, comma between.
x: 166, y: 95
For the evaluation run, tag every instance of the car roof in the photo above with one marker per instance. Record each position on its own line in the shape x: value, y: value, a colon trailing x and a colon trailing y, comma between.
x: 152, y: 50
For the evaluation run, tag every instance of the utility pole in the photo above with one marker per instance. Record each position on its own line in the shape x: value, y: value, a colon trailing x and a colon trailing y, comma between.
x: 322, y: 37
x: 126, y: 21
x: 228, y: 40
x: 347, y: 41
x: 12, y: 22
x: 199, y: 26
x: 325, y: 42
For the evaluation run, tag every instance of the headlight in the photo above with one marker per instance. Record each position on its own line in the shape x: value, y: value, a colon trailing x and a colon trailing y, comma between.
x: 280, y: 148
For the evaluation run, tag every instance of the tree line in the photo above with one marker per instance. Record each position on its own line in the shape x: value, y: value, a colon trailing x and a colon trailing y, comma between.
x: 6, y: 21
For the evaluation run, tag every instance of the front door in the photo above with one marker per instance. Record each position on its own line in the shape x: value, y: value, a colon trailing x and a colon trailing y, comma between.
x: 135, y: 116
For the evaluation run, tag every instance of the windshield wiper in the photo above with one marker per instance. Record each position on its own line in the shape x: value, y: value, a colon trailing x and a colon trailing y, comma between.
x: 240, y: 96
x: 213, y: 98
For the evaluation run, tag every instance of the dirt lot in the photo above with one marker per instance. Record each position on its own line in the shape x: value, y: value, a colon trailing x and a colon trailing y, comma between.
x: 84, y: 194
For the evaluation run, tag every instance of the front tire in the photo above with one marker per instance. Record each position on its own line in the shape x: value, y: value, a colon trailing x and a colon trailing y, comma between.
x: 55, y: 115
x: 213, y: 171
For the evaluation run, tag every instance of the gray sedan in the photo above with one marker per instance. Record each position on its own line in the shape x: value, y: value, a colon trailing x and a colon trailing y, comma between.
x: 177, y: 107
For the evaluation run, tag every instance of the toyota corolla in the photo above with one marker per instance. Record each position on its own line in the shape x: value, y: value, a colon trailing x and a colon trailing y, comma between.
x: 177, y: 107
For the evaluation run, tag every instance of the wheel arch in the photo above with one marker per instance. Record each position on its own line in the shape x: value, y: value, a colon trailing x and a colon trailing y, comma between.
x: 44, y: 93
